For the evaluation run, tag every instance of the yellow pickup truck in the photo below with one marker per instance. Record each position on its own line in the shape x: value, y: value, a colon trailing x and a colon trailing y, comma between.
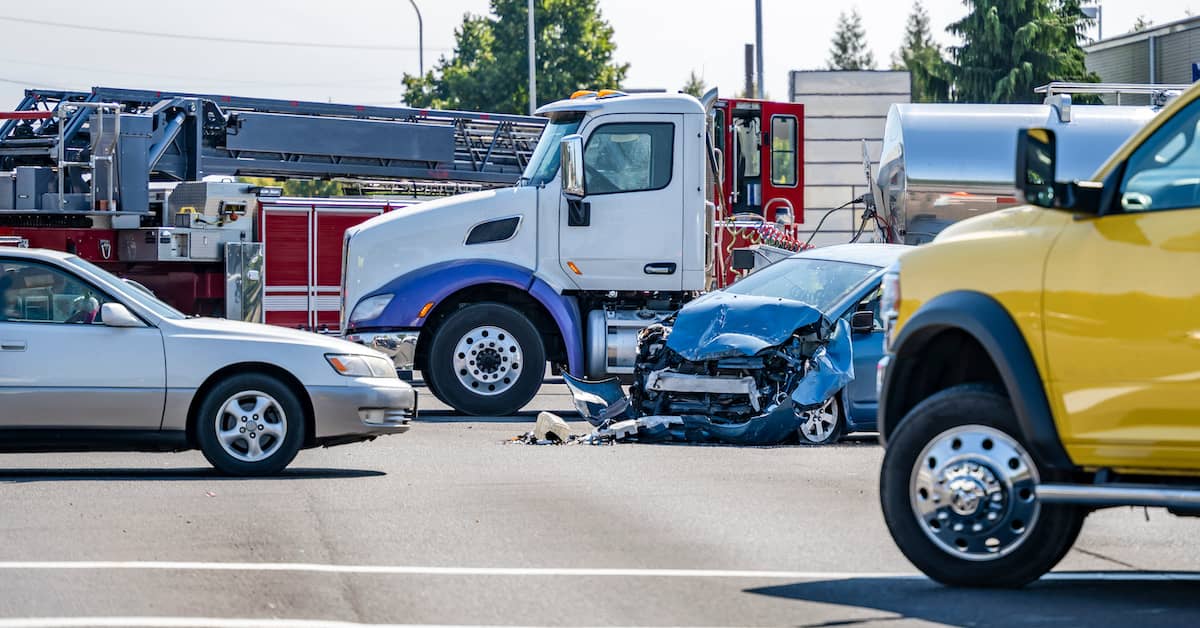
x: 1044, y: 361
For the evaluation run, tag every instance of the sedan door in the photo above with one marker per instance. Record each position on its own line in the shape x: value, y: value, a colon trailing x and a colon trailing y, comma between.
x: 868, y: 350
x: 61, y: 366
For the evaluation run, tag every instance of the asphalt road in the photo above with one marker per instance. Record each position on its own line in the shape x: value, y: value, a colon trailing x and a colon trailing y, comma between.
x: 449, y: 525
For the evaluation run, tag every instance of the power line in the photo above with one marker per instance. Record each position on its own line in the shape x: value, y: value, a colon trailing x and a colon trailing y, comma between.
x: 201, y: 79
x: 225, y: 40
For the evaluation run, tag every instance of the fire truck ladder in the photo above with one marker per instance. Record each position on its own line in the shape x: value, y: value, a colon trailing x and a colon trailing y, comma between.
x: 178, y: 136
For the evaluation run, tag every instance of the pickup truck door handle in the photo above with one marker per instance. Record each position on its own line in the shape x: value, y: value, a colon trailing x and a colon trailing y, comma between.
x: 12, y: 345
x: 660, y: 268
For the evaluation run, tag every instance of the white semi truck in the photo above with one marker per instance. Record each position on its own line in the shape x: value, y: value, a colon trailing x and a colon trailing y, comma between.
x: 478, y: 292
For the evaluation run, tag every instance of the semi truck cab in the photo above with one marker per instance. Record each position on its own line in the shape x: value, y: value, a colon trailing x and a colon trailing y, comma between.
x: 606, y: 232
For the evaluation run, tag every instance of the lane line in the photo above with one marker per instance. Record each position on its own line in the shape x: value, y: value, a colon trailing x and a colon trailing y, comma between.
x: 190, y: 622
x: 403, y: 570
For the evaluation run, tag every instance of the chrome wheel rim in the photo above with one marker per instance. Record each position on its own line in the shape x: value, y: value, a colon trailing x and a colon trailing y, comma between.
x: 973, y: 492
x: 488, y: 360
x: 821, y: 423
x: 251, y: 426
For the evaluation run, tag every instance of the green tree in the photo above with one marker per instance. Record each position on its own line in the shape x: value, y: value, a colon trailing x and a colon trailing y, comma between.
x: 695, y: 85
x: 849, y: 51
x: 1142, y: 24
x: 922, y: 57
x: 1012, y: 46
x: 311, y: 188
x: 489, y: 70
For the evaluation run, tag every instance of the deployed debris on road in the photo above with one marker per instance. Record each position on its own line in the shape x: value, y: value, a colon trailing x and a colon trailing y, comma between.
x: 727, y: 368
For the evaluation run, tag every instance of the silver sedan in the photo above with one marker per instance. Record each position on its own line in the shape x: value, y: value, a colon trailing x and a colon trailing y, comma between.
x: 90, y: 362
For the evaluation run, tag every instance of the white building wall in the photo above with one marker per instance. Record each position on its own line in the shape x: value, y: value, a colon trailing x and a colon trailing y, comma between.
x: 841, y: 109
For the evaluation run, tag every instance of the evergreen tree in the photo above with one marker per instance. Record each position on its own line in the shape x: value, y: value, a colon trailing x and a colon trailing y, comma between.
x: 489, y: 70
x: 695, y: 85
x: 848, y: 50
x: 922, y: 57
x: 1012, y: 46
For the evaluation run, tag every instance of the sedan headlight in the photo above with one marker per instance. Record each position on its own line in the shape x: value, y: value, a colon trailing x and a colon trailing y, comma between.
x: 361, y: 365
x: 370, y: 308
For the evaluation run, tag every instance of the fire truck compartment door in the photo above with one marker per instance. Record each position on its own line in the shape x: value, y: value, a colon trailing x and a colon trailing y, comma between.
x: 633, y: 177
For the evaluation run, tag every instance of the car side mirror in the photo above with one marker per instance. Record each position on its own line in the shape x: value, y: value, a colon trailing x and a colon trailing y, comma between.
x: 862, y: 322
x: 1037, y: 154
x: 571, y: 158
x: 117, y: 315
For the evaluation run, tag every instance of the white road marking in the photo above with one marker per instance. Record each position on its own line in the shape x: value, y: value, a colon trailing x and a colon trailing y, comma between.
x: 403, y: 570
x: 190, y: 622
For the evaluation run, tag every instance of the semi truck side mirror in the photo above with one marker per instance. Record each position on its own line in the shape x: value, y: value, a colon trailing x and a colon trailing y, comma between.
x: 1037, y: 151
x: 571, y: 157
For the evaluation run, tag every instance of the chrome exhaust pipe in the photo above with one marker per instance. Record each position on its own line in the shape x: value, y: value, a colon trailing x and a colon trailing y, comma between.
x: 1119, y: 495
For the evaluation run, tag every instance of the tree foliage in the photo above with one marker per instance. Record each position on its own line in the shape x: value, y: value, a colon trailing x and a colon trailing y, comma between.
x: 922, y: 57
x: 849, y: 51
x: 1012, y: 46
x: 309, y: 188
x: 695, y: 85
x: 489, y: 70
x: 1142, y: 24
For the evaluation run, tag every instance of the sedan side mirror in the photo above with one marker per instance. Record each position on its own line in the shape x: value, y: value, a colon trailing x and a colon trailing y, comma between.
x: 571, y: 157
x: 862, y: 322
x: 117, y: 315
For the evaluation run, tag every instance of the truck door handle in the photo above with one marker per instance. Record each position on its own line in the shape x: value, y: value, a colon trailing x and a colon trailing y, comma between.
x: 12, y: 345
x: 660, y: 268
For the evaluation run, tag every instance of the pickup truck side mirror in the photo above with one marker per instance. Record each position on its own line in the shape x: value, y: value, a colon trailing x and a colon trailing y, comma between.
x: 1037, y: 153
x: 1037, y: 167
x: 571, y: 157
x: 862, y: 322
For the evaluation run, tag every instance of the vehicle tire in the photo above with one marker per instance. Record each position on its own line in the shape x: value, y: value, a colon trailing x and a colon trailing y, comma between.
x: 487, y: 359
x: 250, y: 424
x: 825, y: 425
x: 958, y: 490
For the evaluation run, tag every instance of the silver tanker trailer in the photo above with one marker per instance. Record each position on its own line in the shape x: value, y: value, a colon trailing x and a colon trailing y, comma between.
x: 941, y: 163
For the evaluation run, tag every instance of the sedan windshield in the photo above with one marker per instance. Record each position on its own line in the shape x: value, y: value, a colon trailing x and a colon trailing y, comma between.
x: 144, y: 297
x: 817, y: 282
x: 543, y: 165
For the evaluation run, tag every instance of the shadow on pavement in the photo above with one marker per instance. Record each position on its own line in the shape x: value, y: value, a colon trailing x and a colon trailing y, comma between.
x: 524, y: 416
x: 13, y: 476
x: 1060, y: 601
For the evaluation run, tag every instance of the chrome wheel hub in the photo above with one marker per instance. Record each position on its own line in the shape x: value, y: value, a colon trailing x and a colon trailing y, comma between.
x: 973, y: 492
x: 820, y: 423
x: 488, y: 360
x: 251, y: 426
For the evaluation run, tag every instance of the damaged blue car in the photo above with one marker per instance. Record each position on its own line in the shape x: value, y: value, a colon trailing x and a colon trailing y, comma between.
x: 770, y: 359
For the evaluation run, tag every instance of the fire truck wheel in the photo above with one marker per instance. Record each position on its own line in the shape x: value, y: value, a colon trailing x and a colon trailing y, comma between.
x: 250, y: 424
x: 487, y: 359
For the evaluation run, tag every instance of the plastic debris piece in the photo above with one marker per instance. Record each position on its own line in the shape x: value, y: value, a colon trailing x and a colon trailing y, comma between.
x: 550, y: 426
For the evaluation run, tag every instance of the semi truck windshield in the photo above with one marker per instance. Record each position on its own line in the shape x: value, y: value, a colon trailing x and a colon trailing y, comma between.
x: 543, y: 165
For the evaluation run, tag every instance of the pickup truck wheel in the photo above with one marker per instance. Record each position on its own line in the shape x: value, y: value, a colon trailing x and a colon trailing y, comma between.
x: 487, y: 359
x: 959, y: 494
x: 824, y: 425
x: 250, y: 424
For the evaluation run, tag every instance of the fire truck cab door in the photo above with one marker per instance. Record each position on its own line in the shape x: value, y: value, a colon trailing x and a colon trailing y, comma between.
x: 627, y: 231
x: 782, y: 160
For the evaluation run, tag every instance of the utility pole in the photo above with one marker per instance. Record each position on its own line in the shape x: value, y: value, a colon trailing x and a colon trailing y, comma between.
x: 749, y: 88
x: 758, y: 44
x: 532, y: 75
x: 420, y: 39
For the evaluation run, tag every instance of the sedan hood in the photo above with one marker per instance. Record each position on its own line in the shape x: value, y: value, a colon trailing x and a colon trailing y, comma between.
x: 723, y: 325
x: 257, y: 332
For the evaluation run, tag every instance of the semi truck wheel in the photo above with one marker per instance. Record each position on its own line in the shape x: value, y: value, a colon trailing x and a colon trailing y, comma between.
x: 959, y: 494
x: 487, y: 359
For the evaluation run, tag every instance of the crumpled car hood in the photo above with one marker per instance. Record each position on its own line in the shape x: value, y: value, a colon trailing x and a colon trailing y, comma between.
x: 722, y: 325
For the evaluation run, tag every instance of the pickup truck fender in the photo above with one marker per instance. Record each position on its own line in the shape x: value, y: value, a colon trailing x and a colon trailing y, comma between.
x: 435, y: 283
x: 986, y: 321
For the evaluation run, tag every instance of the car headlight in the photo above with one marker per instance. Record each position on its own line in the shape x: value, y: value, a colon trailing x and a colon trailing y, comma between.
x: 361, y: 365
x: 370, y: 308
x: 889, y: 303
